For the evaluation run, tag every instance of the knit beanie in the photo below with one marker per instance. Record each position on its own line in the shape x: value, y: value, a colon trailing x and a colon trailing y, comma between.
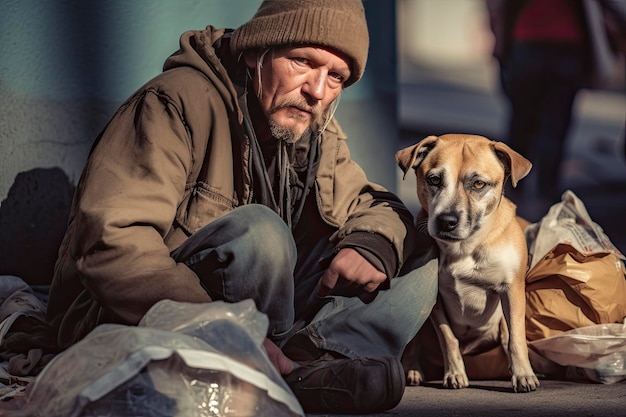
x: 338, y: 24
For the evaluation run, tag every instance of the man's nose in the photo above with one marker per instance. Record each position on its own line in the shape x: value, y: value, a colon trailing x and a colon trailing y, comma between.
x: 315, y: 85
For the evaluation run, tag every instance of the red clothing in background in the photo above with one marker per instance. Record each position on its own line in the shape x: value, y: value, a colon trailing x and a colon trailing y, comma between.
x: 550, y: 21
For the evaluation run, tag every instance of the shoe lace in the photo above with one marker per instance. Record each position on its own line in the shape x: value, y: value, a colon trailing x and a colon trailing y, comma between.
x: 331, y: 383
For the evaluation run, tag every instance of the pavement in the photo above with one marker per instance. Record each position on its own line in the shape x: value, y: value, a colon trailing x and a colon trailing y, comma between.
x: 495, y: 398
x: 439, y: 102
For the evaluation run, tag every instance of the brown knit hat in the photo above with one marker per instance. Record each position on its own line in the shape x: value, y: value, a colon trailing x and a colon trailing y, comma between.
x: 338, y: 24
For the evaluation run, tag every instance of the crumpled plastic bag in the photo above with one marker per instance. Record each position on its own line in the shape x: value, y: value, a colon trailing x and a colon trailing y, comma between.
x: 191, y: 360
x: 25, y: 345
x: 596, y: 353
x: 568, y: 222
x: 575, y: 297
x: 576, y: 276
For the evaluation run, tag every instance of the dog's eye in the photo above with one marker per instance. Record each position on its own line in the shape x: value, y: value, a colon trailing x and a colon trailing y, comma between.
x: 479, y: 185
x: 434, y: 180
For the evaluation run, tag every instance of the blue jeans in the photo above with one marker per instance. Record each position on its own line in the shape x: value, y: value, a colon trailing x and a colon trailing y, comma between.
x: 251, y: 253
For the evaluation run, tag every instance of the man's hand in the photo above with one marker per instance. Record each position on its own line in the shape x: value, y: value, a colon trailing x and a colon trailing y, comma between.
x: 350, y: 274
x: 282, y: 363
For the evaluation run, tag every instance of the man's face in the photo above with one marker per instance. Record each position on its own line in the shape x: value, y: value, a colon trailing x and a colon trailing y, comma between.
x: 297, y: 86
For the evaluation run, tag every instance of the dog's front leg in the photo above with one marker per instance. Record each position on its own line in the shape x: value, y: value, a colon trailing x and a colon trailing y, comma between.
x: 523, y: 377
x: 454, y: 375
x: 411, y: 364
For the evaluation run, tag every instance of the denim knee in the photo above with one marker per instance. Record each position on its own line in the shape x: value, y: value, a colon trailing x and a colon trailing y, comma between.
x: 268, y: 239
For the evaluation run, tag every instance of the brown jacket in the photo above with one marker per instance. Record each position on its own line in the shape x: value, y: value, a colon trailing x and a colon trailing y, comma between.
x: 164, y: 167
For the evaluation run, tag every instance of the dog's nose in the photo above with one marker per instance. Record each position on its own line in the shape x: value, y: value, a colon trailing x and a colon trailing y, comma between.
x: 447, y: 222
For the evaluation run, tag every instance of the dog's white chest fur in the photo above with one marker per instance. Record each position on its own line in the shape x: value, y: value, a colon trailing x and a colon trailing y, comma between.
x: 470, y: 286
x: 493, y: 269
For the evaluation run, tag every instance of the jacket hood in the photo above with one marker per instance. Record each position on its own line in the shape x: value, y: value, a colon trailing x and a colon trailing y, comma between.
x: 198, y: 50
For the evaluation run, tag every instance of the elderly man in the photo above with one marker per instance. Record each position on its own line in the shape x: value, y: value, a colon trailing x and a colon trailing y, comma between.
x: 227, y: 177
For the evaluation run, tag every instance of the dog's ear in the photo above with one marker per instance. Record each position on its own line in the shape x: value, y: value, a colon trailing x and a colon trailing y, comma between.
x: 515, y: 164
x: 412, y: 156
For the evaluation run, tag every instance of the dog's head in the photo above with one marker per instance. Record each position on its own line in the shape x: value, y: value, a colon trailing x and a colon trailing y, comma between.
x: 460, y: 180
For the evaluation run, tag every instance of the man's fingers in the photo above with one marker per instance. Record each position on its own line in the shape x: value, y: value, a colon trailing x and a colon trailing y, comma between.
x: 327, y: 282
x: 371, y: 286
x: 282, y: 363
x: 349, y: 274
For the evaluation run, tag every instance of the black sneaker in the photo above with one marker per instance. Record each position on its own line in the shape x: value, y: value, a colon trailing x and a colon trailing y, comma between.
x: 348, y: 386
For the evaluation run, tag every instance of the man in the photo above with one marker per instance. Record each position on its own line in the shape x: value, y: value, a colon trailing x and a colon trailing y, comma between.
x: 226, y: 177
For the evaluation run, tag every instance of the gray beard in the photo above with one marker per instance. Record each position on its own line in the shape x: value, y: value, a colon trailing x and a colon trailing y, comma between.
x: 285, y: 134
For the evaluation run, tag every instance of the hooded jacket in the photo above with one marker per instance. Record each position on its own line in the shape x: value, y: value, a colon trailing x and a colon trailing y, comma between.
x: 173, y: 158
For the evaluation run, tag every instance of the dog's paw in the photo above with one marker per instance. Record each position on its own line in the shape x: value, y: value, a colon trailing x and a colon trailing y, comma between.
x: 525, y: 383
x: 455, y: 380
x: 414, y: 377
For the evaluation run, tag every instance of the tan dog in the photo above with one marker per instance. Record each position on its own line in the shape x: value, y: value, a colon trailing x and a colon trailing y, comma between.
x: 483, y: 253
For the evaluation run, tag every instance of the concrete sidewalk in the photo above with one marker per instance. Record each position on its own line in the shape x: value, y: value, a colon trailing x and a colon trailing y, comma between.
x: 496, y: 399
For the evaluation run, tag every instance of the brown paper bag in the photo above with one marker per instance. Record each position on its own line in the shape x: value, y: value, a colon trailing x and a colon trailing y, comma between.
x: 567, y: 290
x: 577, y: 276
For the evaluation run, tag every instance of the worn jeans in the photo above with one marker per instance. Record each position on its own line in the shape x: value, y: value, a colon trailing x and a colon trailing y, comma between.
x: 250, y: 253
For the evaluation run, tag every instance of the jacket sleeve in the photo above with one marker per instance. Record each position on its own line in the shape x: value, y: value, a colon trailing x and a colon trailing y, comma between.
x: 368, y: 216
x: 125, y: 205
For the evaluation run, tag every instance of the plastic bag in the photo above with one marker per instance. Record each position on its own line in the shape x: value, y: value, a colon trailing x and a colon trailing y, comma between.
x: 596, y: 353
x: 576, y: 276
x: 575, y: 297
x: 191, y: 360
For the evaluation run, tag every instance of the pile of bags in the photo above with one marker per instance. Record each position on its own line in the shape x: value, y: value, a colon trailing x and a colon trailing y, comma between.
x: 576, y: 297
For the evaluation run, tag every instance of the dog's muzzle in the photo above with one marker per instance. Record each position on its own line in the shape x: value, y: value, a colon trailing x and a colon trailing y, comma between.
x: 448, y: 227
x: 447, y: 222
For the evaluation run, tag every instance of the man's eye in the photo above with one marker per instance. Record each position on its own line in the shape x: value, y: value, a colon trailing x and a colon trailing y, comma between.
x: 434, y: 180
x: 300, y: 60
x: 337, y: 77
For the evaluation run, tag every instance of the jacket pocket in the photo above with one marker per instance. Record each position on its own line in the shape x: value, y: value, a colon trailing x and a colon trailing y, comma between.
x: 201, y: 205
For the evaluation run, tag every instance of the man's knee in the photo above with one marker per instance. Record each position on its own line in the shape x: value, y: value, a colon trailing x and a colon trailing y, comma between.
x: 267, y: 235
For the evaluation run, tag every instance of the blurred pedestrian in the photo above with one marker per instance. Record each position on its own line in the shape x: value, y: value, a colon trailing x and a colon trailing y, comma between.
x: 548, y: 50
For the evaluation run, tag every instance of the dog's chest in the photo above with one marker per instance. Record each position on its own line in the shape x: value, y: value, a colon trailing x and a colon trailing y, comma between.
x: 472, y: 283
